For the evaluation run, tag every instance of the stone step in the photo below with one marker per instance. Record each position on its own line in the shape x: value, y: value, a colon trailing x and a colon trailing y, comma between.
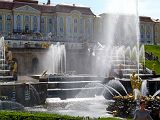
x: 72, y: 93
x: 71, y: 84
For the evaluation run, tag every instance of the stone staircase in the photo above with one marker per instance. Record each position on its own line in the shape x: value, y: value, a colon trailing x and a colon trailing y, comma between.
x: 70, y: 86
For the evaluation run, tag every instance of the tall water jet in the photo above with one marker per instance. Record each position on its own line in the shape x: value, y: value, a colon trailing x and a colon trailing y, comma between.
x: 144, y: 89
x: 120, y: 28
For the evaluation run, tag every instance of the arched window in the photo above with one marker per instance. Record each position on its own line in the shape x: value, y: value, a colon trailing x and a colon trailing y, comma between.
x: 75, y: 25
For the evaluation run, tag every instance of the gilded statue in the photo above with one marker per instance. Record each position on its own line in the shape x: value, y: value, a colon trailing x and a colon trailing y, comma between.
x: 136, y: 81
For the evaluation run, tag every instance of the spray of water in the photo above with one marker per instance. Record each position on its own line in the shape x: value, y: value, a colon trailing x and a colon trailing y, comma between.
x: 54, y: 61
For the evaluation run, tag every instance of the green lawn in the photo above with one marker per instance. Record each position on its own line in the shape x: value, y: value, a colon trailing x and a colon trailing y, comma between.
x: 17, y: 115
x: 155, y: 49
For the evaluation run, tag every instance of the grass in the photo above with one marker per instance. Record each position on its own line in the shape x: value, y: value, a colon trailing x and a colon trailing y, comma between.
x: 18, y: 115
x: 155, y: 49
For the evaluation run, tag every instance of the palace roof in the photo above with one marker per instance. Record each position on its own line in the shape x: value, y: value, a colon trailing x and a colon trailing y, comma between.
x: 145, y: 19
x: 44, y: 8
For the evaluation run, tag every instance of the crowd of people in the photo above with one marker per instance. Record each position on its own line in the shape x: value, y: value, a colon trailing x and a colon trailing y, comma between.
x: 151, y: 56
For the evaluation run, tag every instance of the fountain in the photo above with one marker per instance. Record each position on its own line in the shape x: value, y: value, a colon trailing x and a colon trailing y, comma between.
x: 106, y: 85
x: 115, y: 56
x: 14, y: 95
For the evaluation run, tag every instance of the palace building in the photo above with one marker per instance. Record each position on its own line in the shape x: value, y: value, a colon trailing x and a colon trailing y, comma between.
x: 61, y: 22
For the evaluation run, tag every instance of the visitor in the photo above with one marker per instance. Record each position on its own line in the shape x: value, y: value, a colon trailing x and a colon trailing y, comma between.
x: 142, y: 113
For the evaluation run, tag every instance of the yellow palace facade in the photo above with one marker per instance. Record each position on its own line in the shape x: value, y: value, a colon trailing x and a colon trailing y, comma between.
x: 62, y: 22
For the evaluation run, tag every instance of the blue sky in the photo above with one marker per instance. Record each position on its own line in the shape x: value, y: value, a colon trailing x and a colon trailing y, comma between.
x: 145, y: 7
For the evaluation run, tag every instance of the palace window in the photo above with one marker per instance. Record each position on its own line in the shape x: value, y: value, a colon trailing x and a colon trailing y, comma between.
x: 18, y: 23
x: 61, y: 24
x: 142, y: 36
x: 0, y: 23
x: 26, y: 18
x: 75, y: 21
x: 81, y: 25
x: 0, y: 17
x: 18, y: 18
x: 50, y: 25
x: 88, y: 27
x: 42, y: 25
x: 8, y: 27
x: 75, y: 25
x: 34, y: 19
x: 8, y: 18
x: 35, y: 28
x: 34, y: 24
x: 18, y: 27
x: 27, y: 24
x: 26, y: 28
x: 50, y: 21
x: 8, y: 23
x: 148, y: 32
x: 0, y: 26
x: 69, y: 25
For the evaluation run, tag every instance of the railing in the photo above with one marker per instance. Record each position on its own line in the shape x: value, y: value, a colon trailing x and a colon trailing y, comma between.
x: 36, y: 41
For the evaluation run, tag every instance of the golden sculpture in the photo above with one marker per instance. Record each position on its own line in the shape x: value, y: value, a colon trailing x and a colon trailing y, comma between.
x: 136, y: 81
x: 45, y: 45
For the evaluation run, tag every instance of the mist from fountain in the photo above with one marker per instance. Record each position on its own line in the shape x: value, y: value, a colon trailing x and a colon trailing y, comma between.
x: 122, y: 26
x: 156, y: 93
x: 142, y: 55
x: 116, y: 83
x: 54, y: 61
x: 10, y: 105
x: 144, y: 89
x: 34, y: 92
